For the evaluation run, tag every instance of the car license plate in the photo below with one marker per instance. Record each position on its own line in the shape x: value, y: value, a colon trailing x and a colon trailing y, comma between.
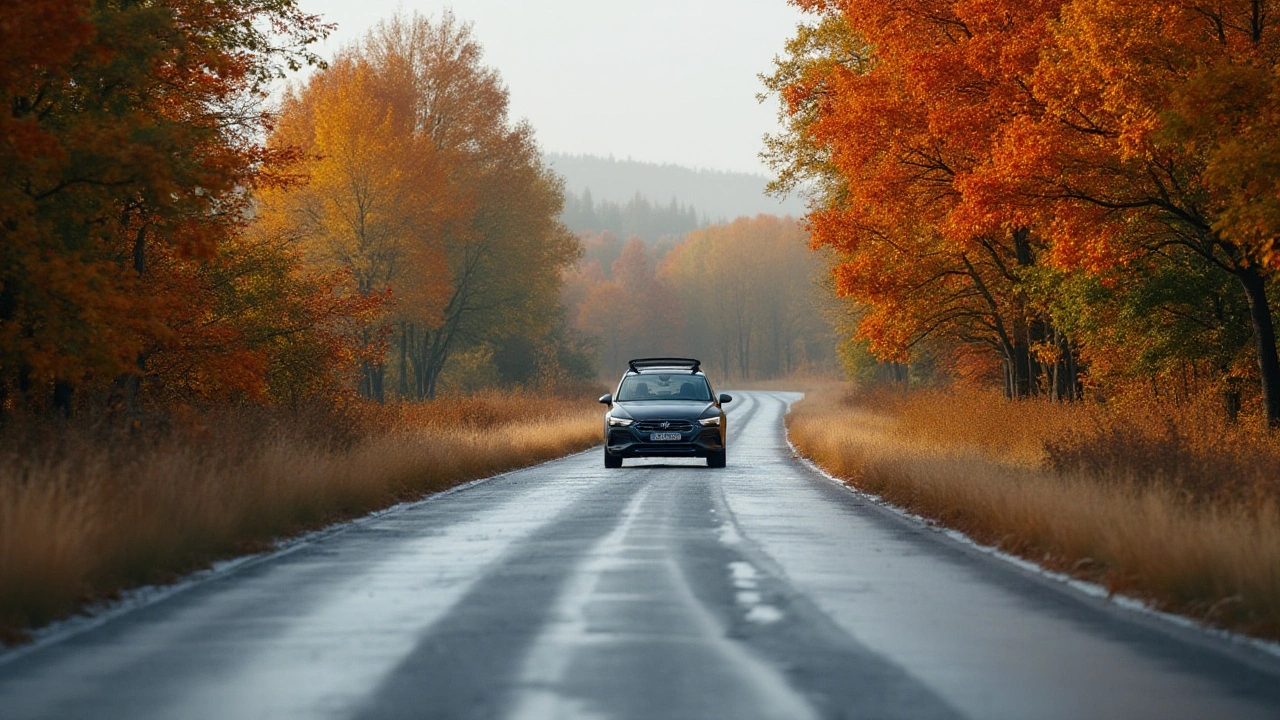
x: 664, y: 437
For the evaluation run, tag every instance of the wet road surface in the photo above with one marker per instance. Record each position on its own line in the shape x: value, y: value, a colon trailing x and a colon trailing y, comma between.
x: 662, y: 590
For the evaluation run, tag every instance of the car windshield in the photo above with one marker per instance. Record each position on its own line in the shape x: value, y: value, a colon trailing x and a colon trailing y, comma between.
x: 676, y: 386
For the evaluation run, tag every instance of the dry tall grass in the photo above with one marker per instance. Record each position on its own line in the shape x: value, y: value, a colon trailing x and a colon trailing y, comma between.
x: 83, y: 515
x: 1173, y: 507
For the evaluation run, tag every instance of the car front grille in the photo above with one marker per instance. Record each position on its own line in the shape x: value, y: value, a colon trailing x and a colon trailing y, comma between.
x: 658, y: 426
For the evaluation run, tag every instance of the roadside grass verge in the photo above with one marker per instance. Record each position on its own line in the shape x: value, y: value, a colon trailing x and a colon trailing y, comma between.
x: 1171, y: 506
x: 85, y: 513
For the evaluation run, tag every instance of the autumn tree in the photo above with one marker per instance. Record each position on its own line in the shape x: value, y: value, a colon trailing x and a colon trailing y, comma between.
x: 127, y: 145
x: 374, y: 200
x: 1158, y: 139
x: 631, y: 311
x: 603, y: 314
x: 748, y: 297
x: 892, y: 109
x: 268, y: 327
x: 1004, y: 172
x: 507, y: 249
x: 419, y: 185
x: 1165, y: 326
x: 602, y: 249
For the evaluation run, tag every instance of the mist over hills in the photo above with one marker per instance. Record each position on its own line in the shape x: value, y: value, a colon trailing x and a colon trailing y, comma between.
x: 637, y: 216
x: 713, y: 195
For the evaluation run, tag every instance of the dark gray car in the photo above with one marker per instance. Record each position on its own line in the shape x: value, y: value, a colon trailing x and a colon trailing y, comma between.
x: 665, y: 407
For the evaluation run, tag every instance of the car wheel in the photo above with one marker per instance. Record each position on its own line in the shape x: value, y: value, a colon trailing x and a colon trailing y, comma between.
x: 612, y: 461
x: 716, y: 460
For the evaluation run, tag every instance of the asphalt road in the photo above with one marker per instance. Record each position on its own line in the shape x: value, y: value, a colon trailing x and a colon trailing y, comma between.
x: 662, y: 590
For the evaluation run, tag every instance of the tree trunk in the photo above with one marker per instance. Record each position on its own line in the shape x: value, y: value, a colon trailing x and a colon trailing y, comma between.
x: 63, y: 394
x: 402, y: 381
x: 1017, y: 368
x: 418, y: 358
x: 1026, y: 330
x: 1063, y: 373
x: 1022, y: 381
x: 1264, y: 338
x: 8, y: 307
x: 371, y: 375
x: 24, y: 384
x: 435, y: 352
x: 1069, y: 389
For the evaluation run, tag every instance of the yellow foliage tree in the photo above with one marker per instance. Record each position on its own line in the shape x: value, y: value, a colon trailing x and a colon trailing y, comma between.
x: 375, y: 198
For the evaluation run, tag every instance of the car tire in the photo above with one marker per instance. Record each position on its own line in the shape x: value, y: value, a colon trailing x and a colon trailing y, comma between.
x: 716, y: 460
x: 612, y: 461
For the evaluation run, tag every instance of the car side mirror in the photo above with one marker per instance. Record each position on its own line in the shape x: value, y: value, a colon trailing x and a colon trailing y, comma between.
x: 725, y: 398
x: 606, y: 399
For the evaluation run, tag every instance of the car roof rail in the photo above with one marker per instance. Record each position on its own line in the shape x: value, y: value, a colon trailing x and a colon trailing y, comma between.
x: 656, y: 362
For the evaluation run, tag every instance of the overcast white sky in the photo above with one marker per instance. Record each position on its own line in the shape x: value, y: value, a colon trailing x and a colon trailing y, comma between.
x: 656, y: 80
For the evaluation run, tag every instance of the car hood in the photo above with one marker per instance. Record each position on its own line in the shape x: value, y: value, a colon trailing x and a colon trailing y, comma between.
x: 656, y: 410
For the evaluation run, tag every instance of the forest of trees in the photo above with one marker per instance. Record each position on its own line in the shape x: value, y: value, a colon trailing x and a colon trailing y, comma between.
x: 1064, y: 198
x: 1061, y: 196
x: 169, y: 239
x: 744, y: 297
x: 718, y: 195
x: 637, y: 217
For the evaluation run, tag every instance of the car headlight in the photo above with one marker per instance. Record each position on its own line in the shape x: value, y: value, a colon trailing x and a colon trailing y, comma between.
x: 619, y: 422
x: 710, y: 422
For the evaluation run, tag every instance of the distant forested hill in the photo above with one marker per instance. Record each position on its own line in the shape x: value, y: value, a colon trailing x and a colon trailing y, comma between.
x: 708, y: 195
x: 638, y: 216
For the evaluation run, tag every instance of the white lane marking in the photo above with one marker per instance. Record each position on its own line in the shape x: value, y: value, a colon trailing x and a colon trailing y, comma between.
x: 744, y: 574
x: 544, y: 667
x: 764, y: 614
x: 746, y: 580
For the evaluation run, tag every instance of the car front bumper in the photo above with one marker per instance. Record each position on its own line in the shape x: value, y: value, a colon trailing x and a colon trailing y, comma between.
x: 698, y: 442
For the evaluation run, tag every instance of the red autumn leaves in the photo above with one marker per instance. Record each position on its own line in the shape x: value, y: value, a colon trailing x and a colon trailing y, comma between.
x: 984, y: 166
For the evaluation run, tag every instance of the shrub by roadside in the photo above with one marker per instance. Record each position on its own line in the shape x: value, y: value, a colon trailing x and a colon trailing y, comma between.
x: 1170, y: 506
x: 85, y: 513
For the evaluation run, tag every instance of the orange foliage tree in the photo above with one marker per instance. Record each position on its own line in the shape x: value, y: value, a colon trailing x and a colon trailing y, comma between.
x: 992, y: 170
x: 894, y: 108
x: 747, y: 297
x: 127, y: 147
x: 373, y: 202
x: 1158, y: 138
x: 419, y: 186
x: 633, y: 312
